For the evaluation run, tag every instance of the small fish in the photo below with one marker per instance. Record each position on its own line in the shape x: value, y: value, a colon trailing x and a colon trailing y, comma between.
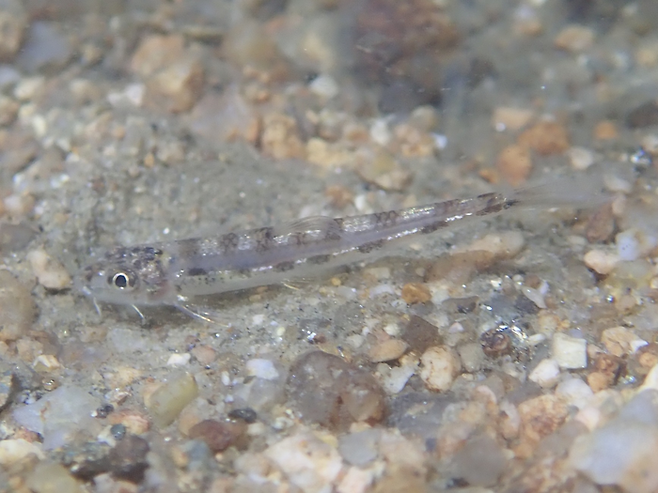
x: 174, y: 272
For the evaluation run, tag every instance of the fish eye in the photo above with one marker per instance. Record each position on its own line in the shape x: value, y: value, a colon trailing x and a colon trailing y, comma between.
x: 122, y: 280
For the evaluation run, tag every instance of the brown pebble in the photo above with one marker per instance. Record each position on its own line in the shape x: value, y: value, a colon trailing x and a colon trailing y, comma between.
x: 218, y: 435
x: 128, y: 459
x: 176, y: 87
x: 136, y: 423
x: 645, y: 115
x: 415, y: 292
x: 339, y: 196
x: 458, y: 268
x: 574, y: 38
x: 598, y: 381
x: 605, y: 130
x: 204, y: 354
x: 515, y: 164
x: 648, y: 355
x: 280, y: 137
x: 601, y: 225
x: 419, y: 334
x: 545, y: 138
x: 388, y: 350
x: 155, y: 53
x: 325, y: 389
x: 610, y: 365
x: 541, y: 416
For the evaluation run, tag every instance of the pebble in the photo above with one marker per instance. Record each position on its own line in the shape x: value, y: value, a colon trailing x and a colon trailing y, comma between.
x: 419, y: 334
x: 13, y: 25
x: 651, y: 380
x: 541, y: 416
x: 356, y: 480
x: 127, y: 460
x: 480, y: 462
x: 605, y: 130
x: 546, y: 138
x: 262, y: 368
x: 218, y: 435
x: 52, y: 478
x: 16, y: 450
x: 535, y: 295
x: 156, y: 52
x: 324, y: 389
x: 623, y: 451
x: 576, y: 392
x: 601, y: 226
x: 607, y: 370
x: 569, y: 352
x: 50, y: 273
x: 59, y: 415
x: 574, y: 38
x: 309, y: 463
x: 415, y: 292
x: 581, y: 158
x: 546, y: 374
x: 324, y: 86
x: 359, y: 448
x: 634, y: 243
x: 472, y: 356
x: 509, y: 118
x: 280, y: 138
x: 8, y: 110
x: 394, y: 378
x: 168, y: 400
x: 385, y: 172
x: 17, y: 307
x: 205, y: 355
x: 176, y: 87
x: 178, y: 359
x: 502, y: 246
x: 45, y: 47
x: 8, y: 385
x: 601, y: 261
x: 134, y: 422
x: 515, y: 164
x: 644, y: 115
x: 440, y: 366
x: 45, y: 363
x: 620, y: 341
x: 389, y: 350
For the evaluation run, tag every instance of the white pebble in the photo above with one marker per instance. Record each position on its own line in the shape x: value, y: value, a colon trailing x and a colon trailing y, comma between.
x: 634, y: 243
x: 502, y: 245
x: 177, y: 359
x: 15, y: 450
x: 48, y: 271
x: 569, y: 352
x: 651, y: 380
x: 621, y: 453
x: 262, y: 368
x: 324, y: 86
x: 534, y: 295
x: 576, y: 392
x: 393, y: 379
x: 601, y: 262
x: 546, y: 373
x: 617, y: 184
x: 581, y: 158
x: 440, y: 367
x: 28, y: 88
x: 380, y: 133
